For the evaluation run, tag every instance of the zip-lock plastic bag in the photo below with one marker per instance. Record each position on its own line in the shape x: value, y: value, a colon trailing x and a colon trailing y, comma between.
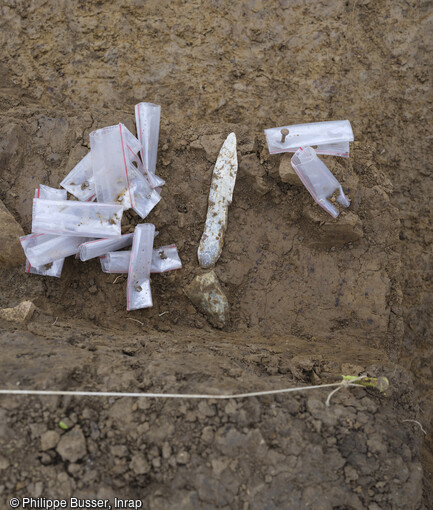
x: 153, y: 180
x: 165, y: 258
x: 42, y: 249
x: 331, y: 149
x: 70, y: 218
x: 110, y: 161
x: 116, y: 261
x: 51, y: 269
x: 80, y: 182
x: 147, y: 119
x: 99, y: 247
x: 138, y: 292
x: 144, y: 197
x: 117, y: 179
x: 131, y: 141
x: 318, y: 180
x: 287, y: 138
x: 49, y: 193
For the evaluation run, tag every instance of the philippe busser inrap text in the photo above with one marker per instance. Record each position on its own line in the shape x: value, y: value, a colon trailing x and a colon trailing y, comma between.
x: 53, y: 504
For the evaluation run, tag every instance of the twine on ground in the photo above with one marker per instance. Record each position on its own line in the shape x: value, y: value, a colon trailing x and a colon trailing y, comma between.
x: 347, y: 381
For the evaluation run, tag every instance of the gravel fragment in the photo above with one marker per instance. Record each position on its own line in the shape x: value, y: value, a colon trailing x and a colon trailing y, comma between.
x: 49, y: 440
x: 139, y: 464
x: 72, y: 445
x: 182, y: 457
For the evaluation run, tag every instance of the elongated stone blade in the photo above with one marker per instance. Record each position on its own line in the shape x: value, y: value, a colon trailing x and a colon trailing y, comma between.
x: 220, y: 197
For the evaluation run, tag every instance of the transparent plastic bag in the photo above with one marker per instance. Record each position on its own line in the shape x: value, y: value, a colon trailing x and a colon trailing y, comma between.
x: 71, y: 218
x: 165, y: 258
x: 287, y: 138
x: 51, y: 269
x: 144, y: 197
x: 110, y: 161
x: 116, y: 261
x: 147, y: 119
x: 331, y: 149
x: 334, y: 149
x: 131, y: 141
x: 153, y: 180
x: 48, y: 193
x: 80, y: 182
x: 42, y: 249
x: 138, y: 292
x: 318, y: 180
x: 99, y: 247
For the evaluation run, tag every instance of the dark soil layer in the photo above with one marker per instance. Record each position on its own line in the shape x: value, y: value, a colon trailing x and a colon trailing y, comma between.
x: 310, y: 297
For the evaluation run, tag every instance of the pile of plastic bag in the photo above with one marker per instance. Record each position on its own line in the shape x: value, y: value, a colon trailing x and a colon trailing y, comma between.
x: 330, y: 138
x: 110, y: 179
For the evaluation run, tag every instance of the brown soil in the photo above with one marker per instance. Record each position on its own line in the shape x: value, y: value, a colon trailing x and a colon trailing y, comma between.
x: 311, y: 297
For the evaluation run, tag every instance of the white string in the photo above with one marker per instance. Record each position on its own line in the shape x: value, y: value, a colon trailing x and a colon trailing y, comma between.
x: 417, y: 423
x: 174, y: 395
x: 344, y: 382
